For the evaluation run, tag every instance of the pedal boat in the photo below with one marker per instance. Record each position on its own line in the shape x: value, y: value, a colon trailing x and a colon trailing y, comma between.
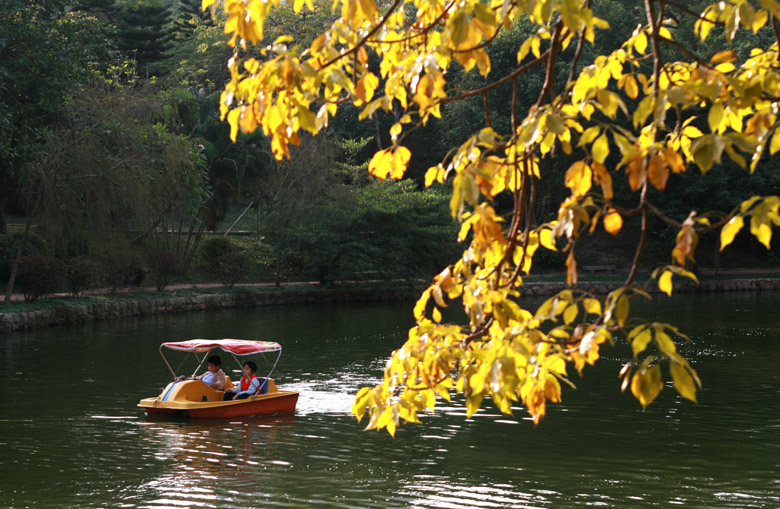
x: 194, y: 398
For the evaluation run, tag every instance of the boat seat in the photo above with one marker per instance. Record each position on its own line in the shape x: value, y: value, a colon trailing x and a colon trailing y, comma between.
x: 264, y: 384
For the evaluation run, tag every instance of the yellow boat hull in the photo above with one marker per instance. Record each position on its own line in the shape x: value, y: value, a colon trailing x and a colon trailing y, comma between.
x: 194, y: 398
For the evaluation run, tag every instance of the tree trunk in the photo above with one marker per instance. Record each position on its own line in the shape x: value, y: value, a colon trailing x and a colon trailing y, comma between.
x: 15, y: 267
x: 3, y: 225
x: 279, y: 260
x: 194, y: 248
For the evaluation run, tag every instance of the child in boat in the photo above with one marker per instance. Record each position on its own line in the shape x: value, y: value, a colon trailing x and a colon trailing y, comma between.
x: 214, y: 377
x: 250, y: 384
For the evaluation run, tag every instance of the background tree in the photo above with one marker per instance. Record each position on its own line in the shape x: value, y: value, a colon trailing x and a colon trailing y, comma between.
x: 107, y: 169
x: 687, y: 110
x: 145, y: 33
x: 31, y: 46
x: 384, y: 230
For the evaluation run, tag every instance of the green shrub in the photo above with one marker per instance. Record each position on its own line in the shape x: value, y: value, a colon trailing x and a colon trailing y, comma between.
x: 121, y: 270
x: 162, y: 265
x: 9, y: 245
x: 82, y: 273
x: 233, y: 268
x: 39, y: 275
x: 211, y: 252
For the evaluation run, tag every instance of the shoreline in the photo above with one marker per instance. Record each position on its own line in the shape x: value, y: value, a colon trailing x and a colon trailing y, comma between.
x: 252, y: 296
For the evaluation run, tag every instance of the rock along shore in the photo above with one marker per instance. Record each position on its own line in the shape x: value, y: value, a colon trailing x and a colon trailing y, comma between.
x: 110, y: 310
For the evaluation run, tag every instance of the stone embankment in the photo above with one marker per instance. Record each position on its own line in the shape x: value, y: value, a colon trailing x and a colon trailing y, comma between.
x: 110, y: 310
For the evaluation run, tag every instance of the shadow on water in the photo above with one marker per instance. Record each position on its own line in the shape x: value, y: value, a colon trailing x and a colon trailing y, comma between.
x: 71, y: 434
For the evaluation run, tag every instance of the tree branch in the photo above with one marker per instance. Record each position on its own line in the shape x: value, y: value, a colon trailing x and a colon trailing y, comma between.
x: 500, y: 82
x: 365, y: 38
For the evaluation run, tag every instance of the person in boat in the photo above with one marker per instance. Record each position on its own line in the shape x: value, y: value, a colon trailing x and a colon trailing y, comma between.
x: 250, y: 384
x: 214, y: 377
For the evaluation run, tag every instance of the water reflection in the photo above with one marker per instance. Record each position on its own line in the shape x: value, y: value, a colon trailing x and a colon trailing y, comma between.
x: 84, y: 443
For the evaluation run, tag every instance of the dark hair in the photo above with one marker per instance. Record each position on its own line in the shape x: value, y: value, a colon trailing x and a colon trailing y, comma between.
x: 251, y: 365
x: 215, y: 360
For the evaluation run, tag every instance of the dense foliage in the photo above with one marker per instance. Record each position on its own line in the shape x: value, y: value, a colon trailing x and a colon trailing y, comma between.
x: 602, y: 122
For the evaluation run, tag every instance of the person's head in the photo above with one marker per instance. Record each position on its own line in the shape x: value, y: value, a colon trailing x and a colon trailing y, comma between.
x: 249, y: 366
x: 215, y: 363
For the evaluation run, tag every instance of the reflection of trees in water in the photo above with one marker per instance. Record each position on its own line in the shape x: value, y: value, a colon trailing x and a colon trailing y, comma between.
x: 210, y: 457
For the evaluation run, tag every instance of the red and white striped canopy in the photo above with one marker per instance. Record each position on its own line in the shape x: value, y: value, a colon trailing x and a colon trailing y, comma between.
x: 234, y: 346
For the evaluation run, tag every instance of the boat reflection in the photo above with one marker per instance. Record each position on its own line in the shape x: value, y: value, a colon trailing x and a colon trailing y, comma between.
x: 210, y: 460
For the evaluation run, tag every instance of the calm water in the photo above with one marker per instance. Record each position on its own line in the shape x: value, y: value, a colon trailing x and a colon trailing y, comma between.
x: 71, y: 435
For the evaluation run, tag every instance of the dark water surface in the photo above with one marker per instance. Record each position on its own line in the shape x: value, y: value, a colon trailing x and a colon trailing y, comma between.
x: 71, y: 435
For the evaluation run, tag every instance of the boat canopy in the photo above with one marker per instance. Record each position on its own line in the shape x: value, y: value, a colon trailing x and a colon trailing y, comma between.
x: 234, y: 346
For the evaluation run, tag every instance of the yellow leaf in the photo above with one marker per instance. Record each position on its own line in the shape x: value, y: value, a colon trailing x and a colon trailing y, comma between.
x: 631, y: 87
x: 665, y: 343
x: 589, y: 135
x: 436, y: 315
x: 233, y: 118
x: 613, y: 222
x: 622, y: 308
x: 604, y: 179
x: 546, y: 239
x: 365, y: 88
x: 555, y: 123
x: 570, y: 12
x: 658, y: 173
x: 723, y: 56
x: 702, y: 27
x: 570, y: 314
x: 640, y: 43
x: 419, y: 307
x: 646, y: 384
x: 730, y: 231
x: 683, y: 382
x: 578, y: 178
x: 761, y: 230
x: 571, y: 269
x: 692, y: 132
x: 640, y: 342
x: 247, y: 121
x: 600, y: 149
x: 205, y: 4
x: 774, y: 145
x: 665, y: 283
x: 390, y: 163
x: 473, y: 403
x: 725, y: 67
x: 536, y: 45
x: 715, y: 116
x: 592, y: 306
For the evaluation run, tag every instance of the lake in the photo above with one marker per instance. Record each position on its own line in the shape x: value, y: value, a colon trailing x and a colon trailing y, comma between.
x: 71, y: 434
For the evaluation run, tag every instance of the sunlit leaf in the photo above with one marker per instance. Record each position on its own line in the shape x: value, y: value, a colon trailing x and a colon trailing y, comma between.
x: 683, y: 381
x: 579, y: 178
x: 646, y: 384
x: 592, y: 306
x: 665, y: 283
x: 600, y: 149
x: 730, y: 231
x: 640, y: 342
x: 613, y: 222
